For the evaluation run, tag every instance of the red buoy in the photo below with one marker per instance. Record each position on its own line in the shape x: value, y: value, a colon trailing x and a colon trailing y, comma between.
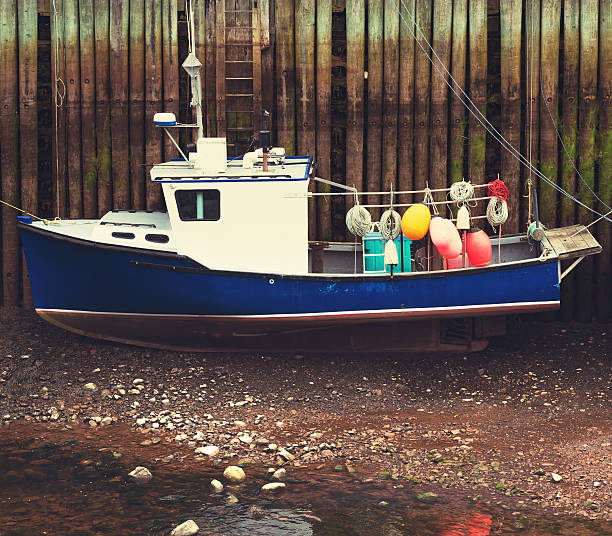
x: 478, y: 247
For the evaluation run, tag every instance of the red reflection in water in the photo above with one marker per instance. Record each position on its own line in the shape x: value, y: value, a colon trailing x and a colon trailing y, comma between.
x: 478, y: 524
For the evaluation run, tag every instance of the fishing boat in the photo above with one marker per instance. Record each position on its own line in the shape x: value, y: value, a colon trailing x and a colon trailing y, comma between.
x: 229, y: 265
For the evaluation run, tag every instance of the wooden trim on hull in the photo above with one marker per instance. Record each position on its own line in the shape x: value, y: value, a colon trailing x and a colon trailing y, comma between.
x: 201, y: 332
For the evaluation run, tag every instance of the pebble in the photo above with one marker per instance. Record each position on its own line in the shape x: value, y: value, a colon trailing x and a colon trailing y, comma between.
x: 216, y: 486
x: 231, y: 499
x: 141, y: 421
x: 273, y: 486
x: 141, y: 475
x: 138, y: 381
x: 234, y: 474
x: 286, y: 454
x: 90, y: 386
x: 209, y: 450
x: 246, y: 438
x: 556, y: 477
x: 189, y: 528
x: 279, y: 474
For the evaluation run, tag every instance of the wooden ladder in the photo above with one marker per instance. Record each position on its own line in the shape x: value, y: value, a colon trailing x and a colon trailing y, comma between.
x: 238, y: 73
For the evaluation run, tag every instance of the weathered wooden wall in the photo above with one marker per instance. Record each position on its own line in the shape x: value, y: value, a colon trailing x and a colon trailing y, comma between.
x: 345, y: 80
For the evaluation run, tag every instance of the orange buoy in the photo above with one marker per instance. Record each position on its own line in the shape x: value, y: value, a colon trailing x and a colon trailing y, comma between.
x: 415, y: 221
x: 478, y: 247
x: 445, y: 237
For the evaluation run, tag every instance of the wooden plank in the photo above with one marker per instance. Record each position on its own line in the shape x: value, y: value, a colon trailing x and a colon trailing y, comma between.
x: 119, y: 111
x: 304, y: 91
x: 510, y: 23
x: 422, y: 93
x: 355, y: 64
x: 375, y: 97
x: 72, y: 107
x: 572, y: 241
x: 390, y: 97
x: 103, y: 107
x: 285, y: 76
x: 604, y: 229
x: 220, y: 68
x: 58, y: 142
x: 478, y: 88
x: 210, y: 64
x: 28, y: 118
x: 532, y: 100
x: 256, y: 119
x: 438, y: 153
x: 571, y: 48
x: 324, y: 82
x: 267, y: 57
x: 170, y: 68
x: 88, y: 109
x: 9, y: 145
x: 137, y: 104
x: 153, y: 95
x: 457, y: 109
x: 588, y: 112
x: 549, y: 163
x: 406, y: 100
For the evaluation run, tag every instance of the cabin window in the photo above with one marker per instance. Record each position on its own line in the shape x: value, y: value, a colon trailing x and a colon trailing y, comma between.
x: 157, y: 238
x: 127, y: 236
x: 198, y: 205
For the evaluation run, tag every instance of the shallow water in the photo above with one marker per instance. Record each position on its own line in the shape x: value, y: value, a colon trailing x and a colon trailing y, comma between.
x: 59, y: 488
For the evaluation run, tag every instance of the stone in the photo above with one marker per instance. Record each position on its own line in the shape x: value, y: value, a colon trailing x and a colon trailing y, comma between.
x: 189, y: 528
x: 246, y: 438
x: 141, y: 421
x: 231, y: 499
x: 216, y: 486
x: 138, y: 381
x: 90, y: 386
x: 273, y: 487
x: 141, y: 475
x: 208, y: 450
x: 556, y: 477
x: 428, y: 497
x: 279, y: 474
x: 286, y: 455
x: 234, y: 474
x: 106, y: 421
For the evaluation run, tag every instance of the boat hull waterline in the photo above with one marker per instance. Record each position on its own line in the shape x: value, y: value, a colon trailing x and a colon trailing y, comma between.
x: 163, y: 300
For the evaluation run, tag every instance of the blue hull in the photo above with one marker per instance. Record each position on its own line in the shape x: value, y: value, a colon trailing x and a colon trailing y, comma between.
x: 73, y: 278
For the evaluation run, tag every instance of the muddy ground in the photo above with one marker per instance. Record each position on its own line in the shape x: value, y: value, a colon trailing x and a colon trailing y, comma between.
x: 526, y: 422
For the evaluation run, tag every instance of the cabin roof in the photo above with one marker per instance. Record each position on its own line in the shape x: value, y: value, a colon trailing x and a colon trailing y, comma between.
x: 294, y: 168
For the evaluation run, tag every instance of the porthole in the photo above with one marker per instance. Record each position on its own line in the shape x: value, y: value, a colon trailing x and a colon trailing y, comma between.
x: 157, y: 238
x: 125, y: 236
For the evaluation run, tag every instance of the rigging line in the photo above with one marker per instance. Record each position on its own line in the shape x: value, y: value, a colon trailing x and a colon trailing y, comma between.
x: 60, y: 93
x: 530, y: 58
x: 473, y: 109
x: 565, y: 150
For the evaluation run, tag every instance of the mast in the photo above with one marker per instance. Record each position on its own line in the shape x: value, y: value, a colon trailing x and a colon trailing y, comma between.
x: 192, y: 66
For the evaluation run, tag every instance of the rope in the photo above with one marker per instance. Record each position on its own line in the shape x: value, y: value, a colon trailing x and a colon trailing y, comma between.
x: 390, y: 224
x: 464, y: 98
x: 497, y: 211
x: 498, y: 189
x: 461, y: 191
x: 45, y: 221
x: 359, y: 221
x: 60, y: 94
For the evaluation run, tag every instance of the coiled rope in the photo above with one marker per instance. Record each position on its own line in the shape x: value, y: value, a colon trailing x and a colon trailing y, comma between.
x: 390, y: 224
x: 497, y: 209
x: 359, y: 221
x: 461, y: 191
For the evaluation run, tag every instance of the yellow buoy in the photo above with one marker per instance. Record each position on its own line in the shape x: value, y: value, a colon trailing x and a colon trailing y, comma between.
x: 415, y: 221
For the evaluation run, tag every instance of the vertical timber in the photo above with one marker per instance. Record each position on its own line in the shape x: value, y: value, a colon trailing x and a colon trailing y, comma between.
x: 406, y: 99
x: 458, y: 116
x: 478, y: 89
x: 390, y: 97
x: 137, y: 104
x: 285, y: 76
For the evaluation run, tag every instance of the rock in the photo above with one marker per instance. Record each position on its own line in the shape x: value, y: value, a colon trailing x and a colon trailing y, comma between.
x: 286, y: 455
x: 216, y: 486
x: 231, y: 499
x: 189, y: 528
x: 106, y: 421
x: 279, y: 474
x: 208, y: 450
x: 273, y: 487
x: 138, y: 381
x: 246, y: 438
x: 428, y: 497
x: 90, y: 386
x: 556, y: 477
x: 141, y: 421
x: 234, y: 474
x: 256, y: 512
x: 141, y: 475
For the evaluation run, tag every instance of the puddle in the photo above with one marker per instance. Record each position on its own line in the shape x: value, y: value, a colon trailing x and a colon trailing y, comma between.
x: 60, y: 488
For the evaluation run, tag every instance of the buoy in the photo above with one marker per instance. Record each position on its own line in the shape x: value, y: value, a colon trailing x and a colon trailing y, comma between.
x: 478, y: 247
x: 415, y: 221
x: 445, y: 237
x: 455, y: 263
x: 391, y: 253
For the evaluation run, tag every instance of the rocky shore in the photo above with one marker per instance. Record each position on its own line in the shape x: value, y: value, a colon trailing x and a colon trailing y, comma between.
x: 527, y: 422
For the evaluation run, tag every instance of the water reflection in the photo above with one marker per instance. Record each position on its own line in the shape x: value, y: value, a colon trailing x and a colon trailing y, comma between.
x: 48, y: 488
